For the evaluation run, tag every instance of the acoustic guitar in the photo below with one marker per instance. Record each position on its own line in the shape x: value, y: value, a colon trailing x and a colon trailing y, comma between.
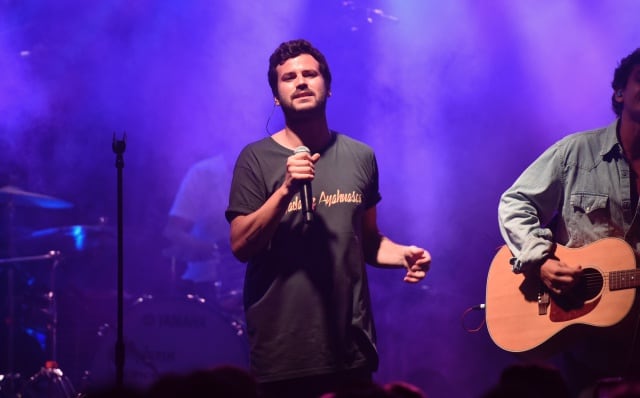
x: 522, y: 314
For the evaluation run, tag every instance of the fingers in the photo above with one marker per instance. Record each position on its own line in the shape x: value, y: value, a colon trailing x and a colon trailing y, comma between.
x: 414, y: 276
x: 558, y: 276
x: 415, y: 254
x: 566, y: 277
x: 568, y: 272
x: 563, y: 282
x: 300, y: 169
x: 417, y: 262
x: 417, y: 272
x: 306, y: 156
x: 301, y: 166
x: 418, y: 259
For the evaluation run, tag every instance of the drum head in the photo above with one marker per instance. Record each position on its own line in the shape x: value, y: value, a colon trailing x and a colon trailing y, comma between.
x: 170, y: 336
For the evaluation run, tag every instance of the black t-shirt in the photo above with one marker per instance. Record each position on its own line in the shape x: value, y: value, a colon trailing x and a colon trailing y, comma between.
x: 306, y: 295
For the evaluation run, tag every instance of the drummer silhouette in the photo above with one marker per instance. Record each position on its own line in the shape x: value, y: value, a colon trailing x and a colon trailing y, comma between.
x: 198, y: 233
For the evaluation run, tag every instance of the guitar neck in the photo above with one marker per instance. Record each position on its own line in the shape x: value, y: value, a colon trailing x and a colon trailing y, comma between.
x: 625, y: 279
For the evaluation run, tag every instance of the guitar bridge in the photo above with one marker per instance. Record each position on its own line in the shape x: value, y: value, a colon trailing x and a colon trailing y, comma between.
x: 543, y: 303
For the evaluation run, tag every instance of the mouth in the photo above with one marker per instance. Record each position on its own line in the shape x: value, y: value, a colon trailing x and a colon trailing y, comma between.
x: 302, y: 94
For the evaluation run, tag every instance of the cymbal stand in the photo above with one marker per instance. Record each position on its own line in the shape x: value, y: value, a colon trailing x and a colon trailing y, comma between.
x: 10, y: 381
x: 10, y: 320
x: 53, y: 308
x: 50, y: 382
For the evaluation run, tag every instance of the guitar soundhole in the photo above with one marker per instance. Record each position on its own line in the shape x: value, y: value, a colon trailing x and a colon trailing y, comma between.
x: 588, y: 287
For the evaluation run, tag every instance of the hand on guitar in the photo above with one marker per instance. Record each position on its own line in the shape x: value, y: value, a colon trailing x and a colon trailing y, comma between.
x: 558, y: 276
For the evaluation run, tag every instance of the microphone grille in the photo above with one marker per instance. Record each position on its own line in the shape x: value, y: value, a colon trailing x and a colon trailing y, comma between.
x: 301, y: 148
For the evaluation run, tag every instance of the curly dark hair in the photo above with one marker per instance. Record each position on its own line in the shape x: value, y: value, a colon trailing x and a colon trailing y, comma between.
x: 621, y: 76
x: 292, y: 49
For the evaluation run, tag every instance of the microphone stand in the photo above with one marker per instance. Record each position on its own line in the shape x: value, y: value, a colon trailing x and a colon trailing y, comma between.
x: 119, y: 147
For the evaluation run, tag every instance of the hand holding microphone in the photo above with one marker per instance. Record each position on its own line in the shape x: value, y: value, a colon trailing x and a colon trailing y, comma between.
x: 306, y: 196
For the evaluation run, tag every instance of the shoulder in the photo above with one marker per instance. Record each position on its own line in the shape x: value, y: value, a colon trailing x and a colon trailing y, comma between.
x: 582, y: 137
x: 587, y: 147
x: 602, y: 136
x: 213, y: 163
x: 260, y: 148
x: 344, y: 142
x: 259, y: 144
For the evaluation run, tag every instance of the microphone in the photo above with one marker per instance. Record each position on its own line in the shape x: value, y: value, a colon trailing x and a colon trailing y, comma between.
x: 306, y: 197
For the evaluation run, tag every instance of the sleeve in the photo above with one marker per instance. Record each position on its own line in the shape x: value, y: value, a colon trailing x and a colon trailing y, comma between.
x: 187, y: 200
x: 373, y: 192
x: 527, y: 207
x: 247, y: 191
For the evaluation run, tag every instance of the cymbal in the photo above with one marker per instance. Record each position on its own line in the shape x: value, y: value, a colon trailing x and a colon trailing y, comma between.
x: 75, y: 237
x: 17, y: 196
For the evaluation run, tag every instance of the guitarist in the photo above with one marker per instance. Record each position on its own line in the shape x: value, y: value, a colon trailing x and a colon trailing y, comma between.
x: 581, y: 189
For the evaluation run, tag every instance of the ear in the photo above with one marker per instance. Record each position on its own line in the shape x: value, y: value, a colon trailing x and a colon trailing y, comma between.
x: 276, y: 102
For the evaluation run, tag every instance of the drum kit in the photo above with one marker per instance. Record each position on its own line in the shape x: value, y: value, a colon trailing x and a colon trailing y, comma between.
x: 27, y: 346
x: 175, y: 332
x: 179, y: 332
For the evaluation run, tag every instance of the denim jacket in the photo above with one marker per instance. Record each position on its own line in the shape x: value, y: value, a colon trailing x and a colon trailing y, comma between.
x: 575, y: 193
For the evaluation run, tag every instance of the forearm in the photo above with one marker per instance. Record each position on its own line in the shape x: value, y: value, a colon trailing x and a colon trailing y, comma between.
x: 527, y: 207
x: 252, y: 232
x: 187, y: 247
x: 183, y: 244
x: 522, y: 230
x: 415, y: 260
x: 388, y: 254
x: 381, y: 251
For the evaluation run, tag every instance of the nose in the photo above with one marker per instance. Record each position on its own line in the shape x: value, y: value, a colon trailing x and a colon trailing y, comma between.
x: 301, y: 82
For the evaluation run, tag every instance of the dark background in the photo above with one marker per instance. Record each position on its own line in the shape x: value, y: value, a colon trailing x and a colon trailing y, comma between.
x: 455, y: 97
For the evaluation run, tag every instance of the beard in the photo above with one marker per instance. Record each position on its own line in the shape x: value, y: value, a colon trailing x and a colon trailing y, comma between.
x: 294, y: 113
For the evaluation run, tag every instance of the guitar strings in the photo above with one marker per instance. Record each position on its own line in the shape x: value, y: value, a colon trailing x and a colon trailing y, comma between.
x: 620, y: 277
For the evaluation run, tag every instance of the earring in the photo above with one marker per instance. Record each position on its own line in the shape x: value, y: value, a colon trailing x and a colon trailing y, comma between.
x: 619, y: 93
